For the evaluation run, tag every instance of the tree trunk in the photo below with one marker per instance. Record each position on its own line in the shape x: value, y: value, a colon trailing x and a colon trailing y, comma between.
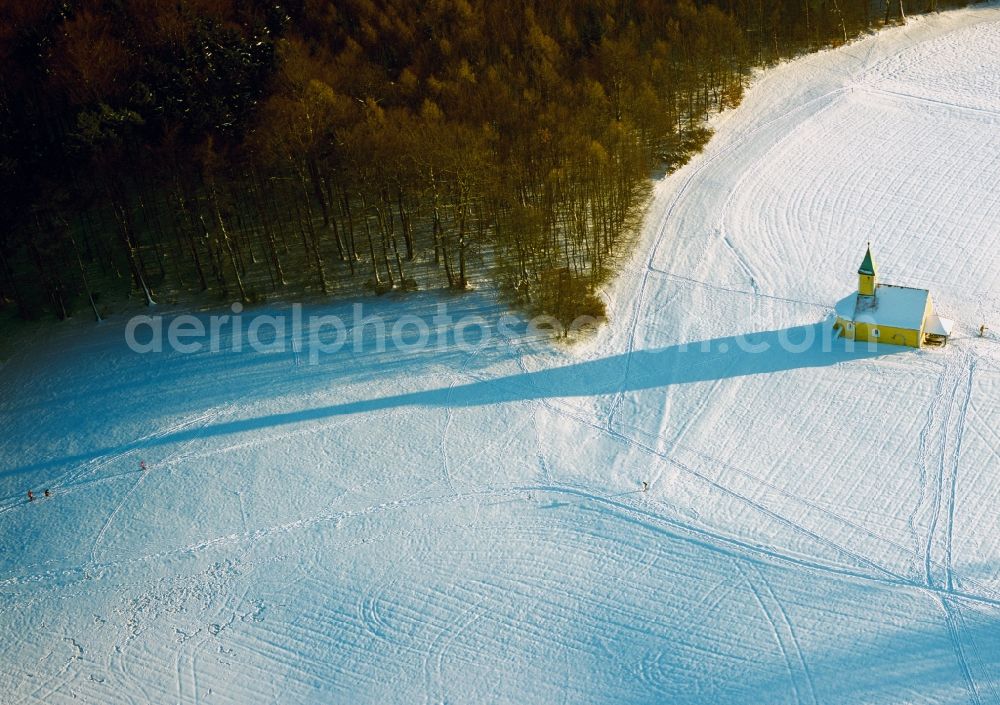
x: 371, y: 244
x: 436, y: 226
x: 404, y: 218
x: 192, y: 244
x: 461, y: 215
x: 83, y: 276
x: 312, y: 234
x: 447, y: 262
x: 214, y: 255
x: 127, y: 244
x: 352, y: 248
x: 317, y: 187
x: 840, y: 15
x: 311, y: 249
x: 272, y: 247
x: 229, y: 245
x: 389, y: 230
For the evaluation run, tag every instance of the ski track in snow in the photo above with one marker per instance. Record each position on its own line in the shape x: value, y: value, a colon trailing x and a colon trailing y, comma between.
x: 990, y: 593
x: 817, y: 531
x: 950, y: 616
x: 784, y: 635
x: 953, y: 479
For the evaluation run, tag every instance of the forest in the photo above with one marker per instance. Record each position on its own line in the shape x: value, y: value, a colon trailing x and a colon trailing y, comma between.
x: 207, y: 151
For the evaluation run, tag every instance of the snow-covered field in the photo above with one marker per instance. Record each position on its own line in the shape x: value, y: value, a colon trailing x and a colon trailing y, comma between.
x: 466, y: 524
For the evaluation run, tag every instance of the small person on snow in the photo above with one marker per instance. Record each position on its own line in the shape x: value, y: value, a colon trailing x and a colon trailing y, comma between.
x: 982, y: 330
x: 31, y: 497
x: 47, y: 493
x: 645, y: 485
x: 142, y: 465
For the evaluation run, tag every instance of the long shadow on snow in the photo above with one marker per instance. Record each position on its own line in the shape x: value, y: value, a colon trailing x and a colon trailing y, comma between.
x: 708, y: 360
x: 261, y: 375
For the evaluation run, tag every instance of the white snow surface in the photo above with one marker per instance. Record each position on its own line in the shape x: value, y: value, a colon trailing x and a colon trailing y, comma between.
x: 468, y: 526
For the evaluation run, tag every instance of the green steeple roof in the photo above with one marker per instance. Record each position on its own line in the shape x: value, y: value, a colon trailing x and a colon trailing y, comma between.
x: 868, y: 265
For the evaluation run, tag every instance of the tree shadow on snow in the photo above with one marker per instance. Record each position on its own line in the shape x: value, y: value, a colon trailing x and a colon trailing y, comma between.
x: 800, y: 347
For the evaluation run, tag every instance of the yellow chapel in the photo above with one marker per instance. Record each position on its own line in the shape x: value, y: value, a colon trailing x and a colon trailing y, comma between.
x: 886, y: 313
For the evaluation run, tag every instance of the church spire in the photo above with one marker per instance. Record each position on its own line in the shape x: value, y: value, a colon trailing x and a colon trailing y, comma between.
x: 867, y: 274
x: 868, y: 264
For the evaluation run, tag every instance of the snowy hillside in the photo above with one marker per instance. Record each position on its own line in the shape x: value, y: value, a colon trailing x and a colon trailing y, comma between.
x: 466, y: 523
